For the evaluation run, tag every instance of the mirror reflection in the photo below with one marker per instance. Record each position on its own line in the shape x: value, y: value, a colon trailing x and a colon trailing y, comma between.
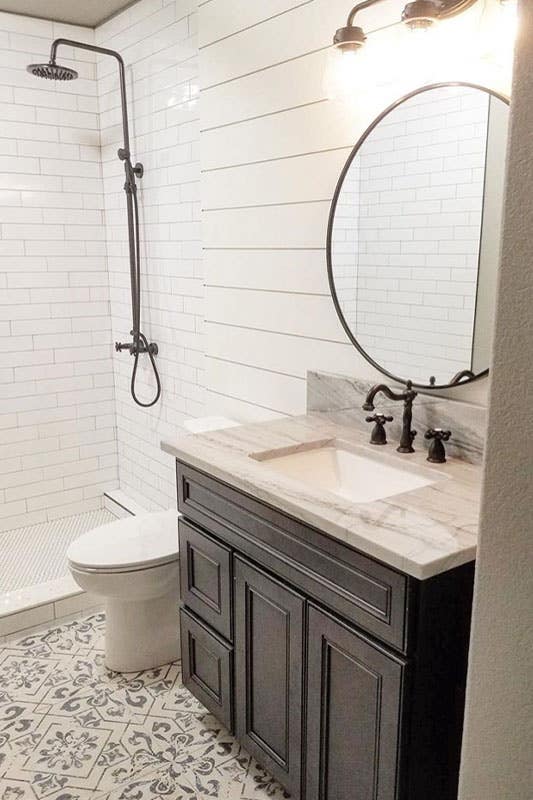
x: 414, y: 238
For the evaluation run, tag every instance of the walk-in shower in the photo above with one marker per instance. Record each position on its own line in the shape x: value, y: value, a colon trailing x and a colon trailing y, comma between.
x: 139, y: 344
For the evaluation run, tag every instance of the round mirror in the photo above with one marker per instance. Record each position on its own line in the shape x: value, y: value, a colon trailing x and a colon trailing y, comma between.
x: 414, y: 235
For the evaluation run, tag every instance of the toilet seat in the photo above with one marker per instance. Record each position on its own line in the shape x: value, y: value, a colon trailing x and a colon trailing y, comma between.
x: 127, y: 545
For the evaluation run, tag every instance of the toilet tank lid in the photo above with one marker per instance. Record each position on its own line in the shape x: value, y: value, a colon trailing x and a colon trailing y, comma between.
x: 144, y: 540
x: 205, y: 424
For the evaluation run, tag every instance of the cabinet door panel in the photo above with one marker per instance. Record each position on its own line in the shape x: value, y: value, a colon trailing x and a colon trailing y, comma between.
x: 353, y: 714
x: 207, y: 666
x: 268, y: 672
x: 205, y: 577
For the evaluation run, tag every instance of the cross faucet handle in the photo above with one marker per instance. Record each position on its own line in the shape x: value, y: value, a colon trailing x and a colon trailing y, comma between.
x: 436, y: 452
x: 437, y: 433
x: 378, y: 435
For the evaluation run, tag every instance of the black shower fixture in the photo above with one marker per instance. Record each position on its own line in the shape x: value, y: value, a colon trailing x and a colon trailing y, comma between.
x: 139, y: 343
x: 419, y: 14
x: 53, y: 71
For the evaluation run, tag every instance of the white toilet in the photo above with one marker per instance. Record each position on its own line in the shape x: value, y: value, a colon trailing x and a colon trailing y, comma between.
x: 133, y: 564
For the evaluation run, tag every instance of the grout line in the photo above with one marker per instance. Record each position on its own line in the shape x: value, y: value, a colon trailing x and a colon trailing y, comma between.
x: 278, y: 333
x: 269, y: 205
x: 263, y: 116
x: 265, y: 291
x: 248, y: 402
x: 266, y: 249
x: 278, y: 158
x: 256, y: 367
x: 256, y: 24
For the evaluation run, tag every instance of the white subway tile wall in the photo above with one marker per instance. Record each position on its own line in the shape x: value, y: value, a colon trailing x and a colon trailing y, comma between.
x: 407, y: 234
x: 159, y: 45
x: 57, y: 421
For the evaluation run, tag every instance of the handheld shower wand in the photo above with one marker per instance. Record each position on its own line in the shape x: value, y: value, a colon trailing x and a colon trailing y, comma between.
x: 139, y: 343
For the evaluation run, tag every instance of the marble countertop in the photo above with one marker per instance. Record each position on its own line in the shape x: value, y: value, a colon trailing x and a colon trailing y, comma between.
x: 422, y: 532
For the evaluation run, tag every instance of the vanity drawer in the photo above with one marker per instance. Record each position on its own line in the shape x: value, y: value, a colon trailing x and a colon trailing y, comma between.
x: 362, y: 590
x: 207, y: 667
x: 205, y: 577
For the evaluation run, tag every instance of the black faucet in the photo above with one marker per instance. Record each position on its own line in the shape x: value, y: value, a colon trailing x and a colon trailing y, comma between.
x: 408, y: 435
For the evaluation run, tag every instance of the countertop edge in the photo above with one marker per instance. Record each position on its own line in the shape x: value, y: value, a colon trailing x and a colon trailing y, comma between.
x: 419, y: 570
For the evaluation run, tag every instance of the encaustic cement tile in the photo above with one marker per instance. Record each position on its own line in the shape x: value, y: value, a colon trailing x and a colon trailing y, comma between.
x: 72, y: 730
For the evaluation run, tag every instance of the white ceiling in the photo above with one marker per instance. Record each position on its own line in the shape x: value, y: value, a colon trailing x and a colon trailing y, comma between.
x: 89, y: 13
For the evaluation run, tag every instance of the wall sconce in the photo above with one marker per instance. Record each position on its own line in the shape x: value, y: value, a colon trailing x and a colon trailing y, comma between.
x: 418, y: 16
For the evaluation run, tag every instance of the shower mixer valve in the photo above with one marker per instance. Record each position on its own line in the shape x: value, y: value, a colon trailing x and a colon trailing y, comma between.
x: 137, y: 347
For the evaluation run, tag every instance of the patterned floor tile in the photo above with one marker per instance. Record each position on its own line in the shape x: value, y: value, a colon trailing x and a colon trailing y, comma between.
x: 70, y: 729
x: 168, y: 783
x: 68, y: 639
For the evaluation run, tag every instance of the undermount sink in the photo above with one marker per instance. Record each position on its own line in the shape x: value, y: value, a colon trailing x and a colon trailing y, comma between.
x: 350, y: 472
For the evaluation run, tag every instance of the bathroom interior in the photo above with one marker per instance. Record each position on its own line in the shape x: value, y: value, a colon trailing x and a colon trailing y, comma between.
x: 267, y: 360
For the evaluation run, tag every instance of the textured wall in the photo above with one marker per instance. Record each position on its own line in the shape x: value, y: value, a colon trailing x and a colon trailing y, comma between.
x: 57, y: 438
x: 499, y: 718
x: 158, y: 43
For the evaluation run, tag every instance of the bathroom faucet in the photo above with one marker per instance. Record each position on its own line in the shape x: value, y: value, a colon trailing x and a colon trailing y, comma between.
x: 406, y: 439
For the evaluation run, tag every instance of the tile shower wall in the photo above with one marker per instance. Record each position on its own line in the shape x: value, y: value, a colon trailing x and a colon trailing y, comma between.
x: 57, y: 437
x: 158, y: 43
x: 272, y: 147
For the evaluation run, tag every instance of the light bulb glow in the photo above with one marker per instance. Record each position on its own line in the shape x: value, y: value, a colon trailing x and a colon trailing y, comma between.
x: 342, y: 72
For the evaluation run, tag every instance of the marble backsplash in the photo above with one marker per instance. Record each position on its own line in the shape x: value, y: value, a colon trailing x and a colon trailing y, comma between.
x: 345, y: 396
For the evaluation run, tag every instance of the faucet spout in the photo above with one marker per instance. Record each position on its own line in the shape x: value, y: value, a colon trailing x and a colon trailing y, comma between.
x: 382, y: 388
x: 407, y: 397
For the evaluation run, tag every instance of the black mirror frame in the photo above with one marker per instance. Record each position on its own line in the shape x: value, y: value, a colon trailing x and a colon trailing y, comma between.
x: 331, y: 219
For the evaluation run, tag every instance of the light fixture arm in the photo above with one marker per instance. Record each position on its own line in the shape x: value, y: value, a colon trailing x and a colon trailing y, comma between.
x: 445, y: 8
x: 360, y: 7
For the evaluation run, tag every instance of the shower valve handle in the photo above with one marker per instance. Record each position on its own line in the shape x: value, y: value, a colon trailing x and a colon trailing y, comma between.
x: 133, y: 348
x: 119, y: 346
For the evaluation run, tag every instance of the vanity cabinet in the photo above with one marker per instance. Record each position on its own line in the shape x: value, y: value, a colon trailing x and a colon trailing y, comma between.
x: 343, y: 677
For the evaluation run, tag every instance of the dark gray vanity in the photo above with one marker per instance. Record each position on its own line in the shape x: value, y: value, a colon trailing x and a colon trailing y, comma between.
x: 344, y: 677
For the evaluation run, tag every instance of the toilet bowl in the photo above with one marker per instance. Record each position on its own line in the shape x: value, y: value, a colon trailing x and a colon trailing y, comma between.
x: 133, y: 564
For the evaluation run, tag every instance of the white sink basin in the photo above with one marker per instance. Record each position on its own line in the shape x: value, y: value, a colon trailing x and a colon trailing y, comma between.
x: 353, y: 473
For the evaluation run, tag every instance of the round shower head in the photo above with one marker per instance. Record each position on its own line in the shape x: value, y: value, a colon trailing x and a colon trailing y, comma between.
x: 53, y: 71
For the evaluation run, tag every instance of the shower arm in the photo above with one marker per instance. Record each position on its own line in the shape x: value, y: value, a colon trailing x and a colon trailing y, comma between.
x: 130, y: 188
x: 122, y: 75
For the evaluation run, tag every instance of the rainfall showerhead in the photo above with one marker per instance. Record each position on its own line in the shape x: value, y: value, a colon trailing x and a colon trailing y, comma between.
x: 53, y: 71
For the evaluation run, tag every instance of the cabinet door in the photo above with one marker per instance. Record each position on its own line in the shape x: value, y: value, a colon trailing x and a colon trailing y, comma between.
x: 353, y: 714
x: 269, y: 672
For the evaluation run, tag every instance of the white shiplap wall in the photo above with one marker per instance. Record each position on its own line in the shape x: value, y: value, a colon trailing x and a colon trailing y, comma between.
x: 57, y: 435
x: 272, y: 147
x: 158, y: 42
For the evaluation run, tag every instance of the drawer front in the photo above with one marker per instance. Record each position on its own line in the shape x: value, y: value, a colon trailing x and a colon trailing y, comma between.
x: 205, y: 567
x: 360, y: 589
x: 207, y: 666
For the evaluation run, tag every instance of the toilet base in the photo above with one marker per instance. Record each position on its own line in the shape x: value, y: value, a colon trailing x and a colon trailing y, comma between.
x: 142, y: 634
